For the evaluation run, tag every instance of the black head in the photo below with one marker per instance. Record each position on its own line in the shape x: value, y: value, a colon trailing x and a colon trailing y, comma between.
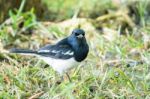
x: 78, y: 33
x: 78, y: 42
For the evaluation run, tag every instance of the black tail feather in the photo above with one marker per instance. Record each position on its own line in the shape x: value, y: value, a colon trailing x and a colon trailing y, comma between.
x: 23, y: 51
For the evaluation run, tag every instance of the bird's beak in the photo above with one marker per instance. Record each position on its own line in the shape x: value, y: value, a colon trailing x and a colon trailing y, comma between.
x: 80, y: 36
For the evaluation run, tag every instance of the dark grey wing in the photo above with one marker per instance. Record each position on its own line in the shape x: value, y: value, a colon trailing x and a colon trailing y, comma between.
x: 58, y: 51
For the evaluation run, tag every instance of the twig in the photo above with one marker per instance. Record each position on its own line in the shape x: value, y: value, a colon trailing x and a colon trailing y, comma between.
x: 117, y: 14
x: 108, y: 16
x: 36, y: 95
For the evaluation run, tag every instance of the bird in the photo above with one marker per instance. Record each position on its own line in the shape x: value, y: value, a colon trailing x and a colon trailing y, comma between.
x: 63, y: 55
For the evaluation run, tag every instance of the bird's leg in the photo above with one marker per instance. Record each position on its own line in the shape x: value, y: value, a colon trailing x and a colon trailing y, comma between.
x: 68, y: 77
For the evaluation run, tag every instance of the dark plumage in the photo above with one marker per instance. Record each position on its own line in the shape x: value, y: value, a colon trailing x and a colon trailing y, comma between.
x: 69, y: 51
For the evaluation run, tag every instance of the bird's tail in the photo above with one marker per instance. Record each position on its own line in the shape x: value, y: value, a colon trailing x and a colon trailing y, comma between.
x: 23, y: 51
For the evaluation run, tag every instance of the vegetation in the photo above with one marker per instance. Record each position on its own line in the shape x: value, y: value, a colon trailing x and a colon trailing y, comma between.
x: 118, y: 62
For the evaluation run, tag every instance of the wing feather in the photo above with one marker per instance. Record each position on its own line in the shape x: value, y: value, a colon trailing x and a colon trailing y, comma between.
x: 62, y: 51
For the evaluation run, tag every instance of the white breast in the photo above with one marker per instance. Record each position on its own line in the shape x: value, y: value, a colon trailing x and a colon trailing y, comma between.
x: 60, y: 65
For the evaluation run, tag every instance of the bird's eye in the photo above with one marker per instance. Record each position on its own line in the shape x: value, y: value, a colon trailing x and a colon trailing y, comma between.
x: 76, y: 34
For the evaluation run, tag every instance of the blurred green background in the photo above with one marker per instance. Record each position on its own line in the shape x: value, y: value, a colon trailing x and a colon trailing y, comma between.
x: 57, y: 10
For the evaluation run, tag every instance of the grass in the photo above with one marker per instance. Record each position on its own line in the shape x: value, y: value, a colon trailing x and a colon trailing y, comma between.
x: 117, y: 65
